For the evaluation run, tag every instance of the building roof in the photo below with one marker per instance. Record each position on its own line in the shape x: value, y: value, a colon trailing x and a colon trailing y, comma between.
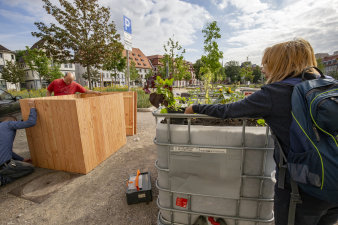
x: 155, y: 60
x: 141, y: 61
x: 155, y: 57
x: 38, y: 44
x: 3, y: 49
x: 328, y: 58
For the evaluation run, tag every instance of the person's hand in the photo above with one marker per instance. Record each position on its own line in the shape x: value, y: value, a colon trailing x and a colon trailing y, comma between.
x: 31, y: 103
x: 28, y: 160
x: 189, y: 110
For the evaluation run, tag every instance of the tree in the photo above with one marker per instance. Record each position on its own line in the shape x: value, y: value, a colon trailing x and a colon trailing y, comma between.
x: 37, y: 60
x: 320, y: 64
x: 13, y: 73
x: 115, y: 61
x: 184, y: 70
x: 54, y: 72
x: 257, y: 75
x: 149, y: 74
x: 197, y: 66
x: 213, y: 55
x: 232, y: 70
x: 95, y: 76
x: 85, y: 35
x: 173, y: 60
x: 134, y: 75
x: 246, y: 71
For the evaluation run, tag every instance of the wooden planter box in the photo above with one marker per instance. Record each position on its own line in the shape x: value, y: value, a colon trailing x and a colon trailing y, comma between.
x: 75, y: 133
x: 130, y: 109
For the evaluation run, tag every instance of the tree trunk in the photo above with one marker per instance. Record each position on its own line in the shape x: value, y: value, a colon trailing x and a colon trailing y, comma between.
x: 89, y: 80
x: 40, y: 81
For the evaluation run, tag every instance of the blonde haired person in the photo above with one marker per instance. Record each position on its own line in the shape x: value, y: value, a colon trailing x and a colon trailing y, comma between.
x: 273, y: 103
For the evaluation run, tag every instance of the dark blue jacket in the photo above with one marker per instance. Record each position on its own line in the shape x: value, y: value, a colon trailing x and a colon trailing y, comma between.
x: 7, y: 135
x: 272, y: 102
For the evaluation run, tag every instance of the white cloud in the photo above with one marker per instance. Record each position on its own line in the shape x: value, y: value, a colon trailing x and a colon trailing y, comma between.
x: 222, y: 4
x: 310, y: 19
x: 153, y: 22
x: 246, y: 6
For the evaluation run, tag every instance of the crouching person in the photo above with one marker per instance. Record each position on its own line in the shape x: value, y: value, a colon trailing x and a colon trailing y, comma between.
x: 13, y: 166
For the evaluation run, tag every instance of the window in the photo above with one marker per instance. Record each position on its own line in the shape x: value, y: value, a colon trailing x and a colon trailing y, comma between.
x: 27, y: 74
x: 12, y: 57
x: 5, y: 96
x: 144, y: 64
x: 70, y: 65
x: 139, y: 64
x: 142, y: 60
x: 136, y: 59
x: 0, y: 55
x: 133, y: 54
x: 1, y: 68
x: 66, y: 65
x: 139, y: 55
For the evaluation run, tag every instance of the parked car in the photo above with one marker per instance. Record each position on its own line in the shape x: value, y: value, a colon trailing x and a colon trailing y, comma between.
x: 8, y: 103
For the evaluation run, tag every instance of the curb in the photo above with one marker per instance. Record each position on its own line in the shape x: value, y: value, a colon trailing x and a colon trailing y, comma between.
x: 146, y: 109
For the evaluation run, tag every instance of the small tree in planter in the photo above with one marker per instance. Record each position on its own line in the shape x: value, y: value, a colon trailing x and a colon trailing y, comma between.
x: 211, y: 64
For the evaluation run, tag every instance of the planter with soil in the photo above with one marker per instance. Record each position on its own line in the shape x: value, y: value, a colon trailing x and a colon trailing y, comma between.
x: 214, y: 167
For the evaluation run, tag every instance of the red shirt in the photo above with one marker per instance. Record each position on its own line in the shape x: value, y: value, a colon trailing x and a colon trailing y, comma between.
x: 59, y: 87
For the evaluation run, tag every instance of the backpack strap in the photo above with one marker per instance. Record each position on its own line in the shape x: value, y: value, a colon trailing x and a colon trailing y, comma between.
x: 294, y: 200
x: 294, y: 196
x: 282, y: 165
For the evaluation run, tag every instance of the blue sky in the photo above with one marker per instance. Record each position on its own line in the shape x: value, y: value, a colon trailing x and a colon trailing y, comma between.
x: 247, y: 26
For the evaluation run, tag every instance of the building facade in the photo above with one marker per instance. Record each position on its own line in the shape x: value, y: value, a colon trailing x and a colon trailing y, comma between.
x: 5, y: 56
x: 106, y: 78
x: 331, y: 64
x: 156, y: 62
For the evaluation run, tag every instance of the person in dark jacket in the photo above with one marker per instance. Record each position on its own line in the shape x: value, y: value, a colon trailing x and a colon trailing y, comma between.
x: 13, y: 166
x: 273, y: 103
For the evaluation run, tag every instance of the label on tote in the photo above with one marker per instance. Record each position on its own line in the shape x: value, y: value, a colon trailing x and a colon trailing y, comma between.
x: 182, y: 202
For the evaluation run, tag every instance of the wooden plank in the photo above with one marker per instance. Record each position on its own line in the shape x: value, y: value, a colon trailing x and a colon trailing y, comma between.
x: 128, y: 111
x: 86, y: 133
x: 45, y: 157
x: 135, y: 112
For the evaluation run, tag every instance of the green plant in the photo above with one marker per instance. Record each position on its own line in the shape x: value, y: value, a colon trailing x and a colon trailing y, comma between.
x: 261, y: 122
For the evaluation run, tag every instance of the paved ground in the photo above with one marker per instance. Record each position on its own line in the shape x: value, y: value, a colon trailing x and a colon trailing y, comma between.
x: 95, y: 198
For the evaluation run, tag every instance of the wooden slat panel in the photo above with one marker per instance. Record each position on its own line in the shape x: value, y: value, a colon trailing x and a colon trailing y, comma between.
x: 45, y: 132
x: 70, y: 148
x: 128, y: 98
x: 135, y: 112
x: 87, y: 135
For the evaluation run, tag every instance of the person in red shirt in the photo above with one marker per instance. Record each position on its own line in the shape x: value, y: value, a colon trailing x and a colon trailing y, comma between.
x: 66, y: 86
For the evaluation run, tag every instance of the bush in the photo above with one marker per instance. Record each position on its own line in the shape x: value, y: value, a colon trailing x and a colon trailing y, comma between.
x: 142, y: 97
x: 29, y: 93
